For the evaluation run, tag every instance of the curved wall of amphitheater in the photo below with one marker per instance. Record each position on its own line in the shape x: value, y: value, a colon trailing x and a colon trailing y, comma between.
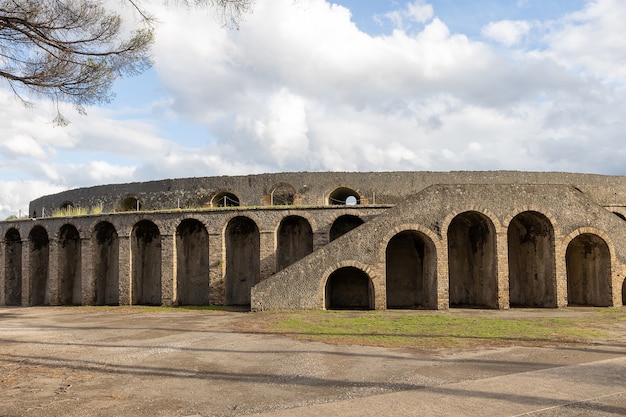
x: 326, y: 240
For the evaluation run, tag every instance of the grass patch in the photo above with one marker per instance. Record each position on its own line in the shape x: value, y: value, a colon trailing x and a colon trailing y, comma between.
x: 432, y: 330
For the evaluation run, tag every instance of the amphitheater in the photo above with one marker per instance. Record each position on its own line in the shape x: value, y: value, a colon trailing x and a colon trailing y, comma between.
x: 377, y: 240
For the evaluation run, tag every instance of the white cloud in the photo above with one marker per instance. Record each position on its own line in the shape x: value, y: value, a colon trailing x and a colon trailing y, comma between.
x: 22, y: 145
x: 415, y: 12
x: 591, y: 40
x: 507, y: 32
x: 300, y: 87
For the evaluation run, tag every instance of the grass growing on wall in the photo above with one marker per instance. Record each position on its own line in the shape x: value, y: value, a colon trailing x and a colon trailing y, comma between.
x: 77, y: 211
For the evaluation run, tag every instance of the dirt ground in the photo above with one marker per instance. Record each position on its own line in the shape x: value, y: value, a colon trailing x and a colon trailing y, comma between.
x: 124, y: 361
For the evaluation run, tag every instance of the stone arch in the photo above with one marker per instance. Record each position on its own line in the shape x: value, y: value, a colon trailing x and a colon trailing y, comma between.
x: 225, y: 199
x: 588, y: 265
x: 349, y: 288
x: 472, y: 261
x: 243, y: 264
x: 532, y: 261
x: 192, y: 263
x: 39, y: 258
x: 344, y: 196
x: 69, y: 264
x: 411, y: 269
x: 131, y: 203
x: 146, y: 256
x: 343, y: 224
x: 106, y: 264
x: 282, y: 194
x: 294, y: 241
x: 13, y: 268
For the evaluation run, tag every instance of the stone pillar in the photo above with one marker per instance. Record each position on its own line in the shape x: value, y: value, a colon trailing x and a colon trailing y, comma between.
x: 379, y: 284
x: 26, y: 278
x: 217, y: 260
x: 443, y: 277
x: 617, y: 282
x: 54, y: 276
x: 3, y: 274
x: 168, y: 270
x: 502, y: 270
x: 561, y: 276
x: 88, y: 284
x: 268, y: 254
x: 320, y: 239
x: 126, y: 271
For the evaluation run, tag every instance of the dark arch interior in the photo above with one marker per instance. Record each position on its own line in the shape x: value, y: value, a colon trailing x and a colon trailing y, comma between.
x: 243, y: 264
x: 407, y: 270
x: 39, y: 257
x: 192, y: 257
x: 472, y: 261
x: 106, y: 264
x: 343, y: 224
x: 295, y: 241
x: 344, y: 196
x: 532, y: 270
x: 146, y: 249
x: 131, y: 204
x: 283, y: 195
x: 349, y: 288
x: 225, y: 199
x: 13, y: 268
x: 588, y: 264
x: 70, y: 265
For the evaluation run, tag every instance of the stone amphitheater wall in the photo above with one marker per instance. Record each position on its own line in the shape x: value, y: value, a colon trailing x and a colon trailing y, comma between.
x: 470, y: 238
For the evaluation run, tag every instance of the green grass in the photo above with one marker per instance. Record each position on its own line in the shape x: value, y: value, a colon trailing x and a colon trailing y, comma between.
x: 440, y: 330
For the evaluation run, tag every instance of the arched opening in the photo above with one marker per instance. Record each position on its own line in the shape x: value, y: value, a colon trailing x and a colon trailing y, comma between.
x: 344, y: 196
x: 146, y: 250
x: 343, y: 224
x: 472, y: 261
x: 39, y: 257
x: 69, y: 263
x: 106, y: 265
x: 13, y: 268
x: 295, y: 241
x: 192, y: 263
x: 532, y: 268
x: 131, y: 203
x: 349, y: 288
x: 588, y: 263
x: 243, y: 264
x: 282, y: 195
x: 411, y: 270
x: 225, y: 199
x: 624, y: 293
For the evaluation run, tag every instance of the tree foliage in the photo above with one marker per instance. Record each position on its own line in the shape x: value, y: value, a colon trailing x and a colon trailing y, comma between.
x: 73, y: 50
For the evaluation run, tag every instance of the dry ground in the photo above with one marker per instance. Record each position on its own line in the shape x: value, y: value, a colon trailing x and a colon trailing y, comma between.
x: 140, y: 362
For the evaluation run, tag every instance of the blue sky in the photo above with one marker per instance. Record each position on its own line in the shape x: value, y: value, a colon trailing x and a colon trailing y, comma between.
x: 350, y: 85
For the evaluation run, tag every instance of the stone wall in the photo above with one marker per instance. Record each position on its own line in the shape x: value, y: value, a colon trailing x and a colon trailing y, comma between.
x: 146, y: 257
x: 428, y: 240
x: 431, y: 214
x: 309, y: 189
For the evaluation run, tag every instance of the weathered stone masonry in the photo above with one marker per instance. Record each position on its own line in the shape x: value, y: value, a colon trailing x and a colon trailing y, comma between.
x: 326, y: 240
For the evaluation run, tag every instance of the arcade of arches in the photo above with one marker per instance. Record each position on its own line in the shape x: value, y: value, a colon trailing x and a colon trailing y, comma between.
x: 410, y: 264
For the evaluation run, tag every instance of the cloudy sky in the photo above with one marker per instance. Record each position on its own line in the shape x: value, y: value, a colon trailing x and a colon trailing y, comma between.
x: 314, y: 85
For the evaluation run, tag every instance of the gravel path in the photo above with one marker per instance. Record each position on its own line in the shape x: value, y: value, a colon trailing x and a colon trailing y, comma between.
x: 122, y: 361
